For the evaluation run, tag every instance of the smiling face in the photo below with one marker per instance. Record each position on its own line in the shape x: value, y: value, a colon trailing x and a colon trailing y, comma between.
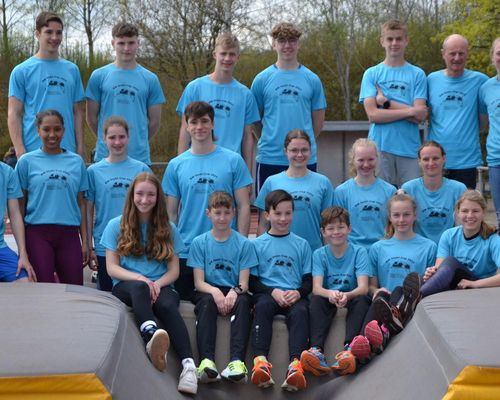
x: 470, y: 215
x: 280, y: 218
x: 336, y: 233
x: 116, y: 140
x: 50, y: 37
x: 200, y: 128
x: 402, y: 216
x: 298, y: 152
x: 365, y: 161
x: 394, y: 41
x: 431, y: 160
x: 145, y: 196
x: 225, y: 58
x: 287, y: 49
x: 51, y: 131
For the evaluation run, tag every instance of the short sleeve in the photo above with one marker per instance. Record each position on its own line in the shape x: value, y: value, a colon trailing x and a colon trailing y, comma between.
x: 368, y: 88
x: 318, y: 268
x: 170, y: 183
x: 93, y: 91
x: 17, y: 85
x: 156, y: 95
x: 248, y: 257
x: 362, y: 266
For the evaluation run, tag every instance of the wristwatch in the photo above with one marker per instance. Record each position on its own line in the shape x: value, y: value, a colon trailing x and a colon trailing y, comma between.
x: 237, y: 289
x: 386, y: 105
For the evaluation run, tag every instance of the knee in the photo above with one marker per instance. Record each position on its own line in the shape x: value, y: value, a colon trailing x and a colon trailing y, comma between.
x: 361, y: 301
x: 450, y: 263
x: 265, y: 306
x: 140, y: 288
x: 206, y: 303
x: 300, y: 310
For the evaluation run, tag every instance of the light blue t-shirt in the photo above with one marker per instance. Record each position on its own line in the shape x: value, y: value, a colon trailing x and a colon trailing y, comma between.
x: 403, y: 84
x: 44, y: 85
x: 481, y: 257
x: 454, y: 116
x: 367, y: 206
x: 311, y: 195
x: 283, y: 260
x: 52, y: 182
x: 108, y: 186
x: 286, y: 100
x: 392, y: 259
x: 127, y: 93
x: 192, y: 178
x: 435, y: 210
x: 234, y: 107
x: 9, y: 189
x: 150, y: 268
x: 341, y: 273
x: 489, y: 100
x: 222, y: 261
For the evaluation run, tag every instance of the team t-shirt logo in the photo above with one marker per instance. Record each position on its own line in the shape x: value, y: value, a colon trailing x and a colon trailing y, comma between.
x: 288, y: 93
x: 396, y: 88
x: 203, y: 182
x: 452, y: 100
x: 56, y: 180
x: 55, y: 85
x: 119, y: 187
x: 302, y: 200
x: 368, y: 210
x: 222, y: 108
x: 125, y: 94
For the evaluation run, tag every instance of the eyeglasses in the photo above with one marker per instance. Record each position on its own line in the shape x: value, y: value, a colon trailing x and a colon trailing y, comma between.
x: 291, y: 41
x: 304, y: 150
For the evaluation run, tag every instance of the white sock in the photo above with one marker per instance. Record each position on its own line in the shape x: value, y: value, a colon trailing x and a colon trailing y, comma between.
x: 188, y: 362
x: 148, y: 325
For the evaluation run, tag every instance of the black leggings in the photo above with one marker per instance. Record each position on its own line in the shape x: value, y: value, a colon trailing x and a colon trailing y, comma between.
x: 135, y: 294
x: 206, y: 324
x: 447, y: 277
x: 297, y: 322
x: 322, y: 312
x: 392, y: 299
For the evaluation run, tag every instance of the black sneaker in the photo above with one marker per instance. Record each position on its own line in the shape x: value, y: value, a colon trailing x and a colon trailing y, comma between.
x: 388, y: 314
x: 411, y: 296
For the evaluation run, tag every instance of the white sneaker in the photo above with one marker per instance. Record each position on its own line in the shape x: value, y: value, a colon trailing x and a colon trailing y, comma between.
x: 188, y: 381
x: 157, y: 348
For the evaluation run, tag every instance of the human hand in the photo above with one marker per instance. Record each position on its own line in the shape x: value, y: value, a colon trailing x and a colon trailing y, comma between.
x: 467, y: 284
x: 429, y: 272
x: 291, y: 297
x: 279, y: 296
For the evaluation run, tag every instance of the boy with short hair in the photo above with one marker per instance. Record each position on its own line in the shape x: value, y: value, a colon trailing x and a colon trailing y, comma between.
x: 280, y: 284
x: 192, y: 176
x: 340, y: 279
x: 394, y: 95
x: 234, y: 104
x: 126, y: 89
x: 45, y: 81
x: 221, y: 260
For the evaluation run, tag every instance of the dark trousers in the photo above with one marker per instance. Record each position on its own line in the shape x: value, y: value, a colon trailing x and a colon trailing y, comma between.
x: 322, y: 312
x: 297, y: 322
x: 467, y: 176
x: 135, y: 294
x: 447, y: 277
x: 184, y: 285
x: 392, y: 298
x: 206, y: 324
x: 104, y: 281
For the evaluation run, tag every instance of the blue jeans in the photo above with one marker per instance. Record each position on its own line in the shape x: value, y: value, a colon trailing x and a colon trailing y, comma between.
x: 494, y: 175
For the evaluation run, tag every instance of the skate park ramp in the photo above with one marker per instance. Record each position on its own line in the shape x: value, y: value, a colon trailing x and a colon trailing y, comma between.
x: 449, y: 350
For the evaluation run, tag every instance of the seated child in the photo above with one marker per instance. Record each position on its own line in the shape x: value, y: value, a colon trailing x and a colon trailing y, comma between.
x: 221, y: 260
x: 280, y: 284
x: 340, y: 279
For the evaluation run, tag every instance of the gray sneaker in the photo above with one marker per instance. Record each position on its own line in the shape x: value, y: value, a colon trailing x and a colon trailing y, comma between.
x: 157, y: 348
x: 188, y: 381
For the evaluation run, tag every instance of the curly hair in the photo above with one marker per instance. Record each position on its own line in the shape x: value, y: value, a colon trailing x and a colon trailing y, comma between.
x: 159, y: 243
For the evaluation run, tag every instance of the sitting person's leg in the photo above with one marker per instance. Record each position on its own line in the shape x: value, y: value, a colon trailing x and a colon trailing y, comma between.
x: 447, y: 276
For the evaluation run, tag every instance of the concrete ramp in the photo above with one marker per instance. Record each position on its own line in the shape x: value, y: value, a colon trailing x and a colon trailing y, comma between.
x: 450, y: 350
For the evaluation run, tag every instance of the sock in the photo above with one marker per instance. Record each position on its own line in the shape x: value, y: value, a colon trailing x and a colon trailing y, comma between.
x: 147, y: 326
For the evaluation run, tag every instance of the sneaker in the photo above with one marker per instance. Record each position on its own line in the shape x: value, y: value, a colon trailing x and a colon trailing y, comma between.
x: 388, y: 314
x: 157, y: 348
x: 236, y: 371
x: 207, y: 371
x: 360, y: 348
x: 314, y: 361
x: 345, y: 364
x: 411, y: 296
x: 188, y: 381
x: 295, y: 379
x: 377, y: 335
x: 261, y: 372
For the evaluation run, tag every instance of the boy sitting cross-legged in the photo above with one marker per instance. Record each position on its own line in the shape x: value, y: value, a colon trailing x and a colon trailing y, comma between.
x: 221, y: 260
x: 340, y: 279
x: 281, y: 284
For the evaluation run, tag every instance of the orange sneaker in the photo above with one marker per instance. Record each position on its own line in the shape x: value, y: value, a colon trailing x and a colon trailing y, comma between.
x: 295, y: 379
x: 314, y: 361
x: 261, y: 372
x: 345, y: 364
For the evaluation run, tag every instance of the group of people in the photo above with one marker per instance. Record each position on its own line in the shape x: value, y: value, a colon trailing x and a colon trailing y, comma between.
x: 367, y: 245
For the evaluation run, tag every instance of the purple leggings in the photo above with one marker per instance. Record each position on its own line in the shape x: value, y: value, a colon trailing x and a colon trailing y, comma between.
x: 55, y: 248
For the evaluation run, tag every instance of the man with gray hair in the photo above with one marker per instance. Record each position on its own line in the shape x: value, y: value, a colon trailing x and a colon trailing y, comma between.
x: 454, y: 104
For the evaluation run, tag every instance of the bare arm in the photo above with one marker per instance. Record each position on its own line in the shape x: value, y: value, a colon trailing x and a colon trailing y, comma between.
x: 172, y: 273
x: 361, y: 289
x: 242, y: 198
x: 17, y: 224
x: 257, y: 130
x: 116, y: 271
x: 79, y: 113
x: 154, y: 117
x: 184, y: 138
x: 263, y: 224
x: 173, y: 209
x: 248, y: 146
x: 93, y: 108
x: 492, y: 281
x: 15, y: 124
x: 484, y: 122
x: 382, y: 116
x: 318, y: 119
x: 83, y: 227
